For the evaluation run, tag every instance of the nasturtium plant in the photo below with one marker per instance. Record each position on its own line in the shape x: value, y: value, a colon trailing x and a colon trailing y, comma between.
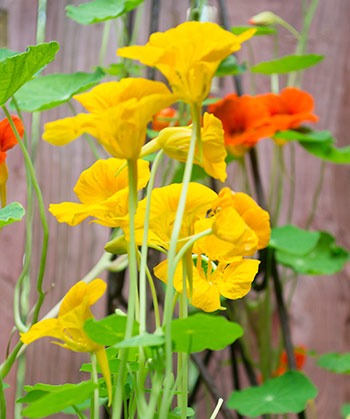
x: 16, y: 70
x: 288, y: 393
x: 11, y: 213
x: 100, y: 10
x: 46, y: 92
x: 287, y: 64
x: 338, y: 363
x: 203, y: 331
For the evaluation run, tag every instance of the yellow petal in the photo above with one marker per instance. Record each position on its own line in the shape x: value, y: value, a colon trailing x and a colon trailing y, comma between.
x: 44, y: 328
x: 63, y: 131
x: 81, y: 291
x: 237, y: 278
x: 70, y: 212
x: 104, y: 365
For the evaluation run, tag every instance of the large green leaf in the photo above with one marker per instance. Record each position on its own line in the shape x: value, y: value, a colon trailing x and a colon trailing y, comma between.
x: 45, y: 399
x: 287, y: 64
x: 11, y: 213
x: 100, y: 10
x: 307, y: 137
x: 335, y: 362
x: 286, y: 394
x: 203, y: 331
x: 109, y: 330
x: 18, y: 69
x: 52, y: 90
x: 141, y: 341
x: 293, y: 240
x: 325, y: 258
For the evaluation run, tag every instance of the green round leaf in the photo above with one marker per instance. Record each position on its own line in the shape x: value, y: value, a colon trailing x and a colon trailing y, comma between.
x: 107, y: 331
x: 145, y: 340
x: 100, y: 10
x: 11, y: 213
x: 325, y: 258
x: 46, y: 92
x: 16, y: 70
x: 287, y: 64
x: 335, y: 362
x: 293, y: 240
x: 203, y: 331
x: 286, y: 394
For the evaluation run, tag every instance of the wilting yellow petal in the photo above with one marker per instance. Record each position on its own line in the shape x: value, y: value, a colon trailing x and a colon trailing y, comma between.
x: 102, y: 360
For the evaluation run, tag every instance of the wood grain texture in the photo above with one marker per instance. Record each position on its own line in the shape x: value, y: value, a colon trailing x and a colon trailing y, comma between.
x: 320, y: 312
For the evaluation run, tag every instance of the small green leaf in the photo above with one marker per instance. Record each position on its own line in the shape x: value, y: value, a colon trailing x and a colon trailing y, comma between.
x: 45, y: 400
x: 327, y: 151
x: 260, y: 30
x: 100, y: 10
x: 287, y: 64
x: 141, y: 341
x: 345, y: 411
x: 325, y: 258
x: 335, y: 362
x: 293, y: 240
x: 52, y: 90
x: 11, y: 213
x: 4, y: 53
x: 203, y: 331
x: 229, y: 66
x: 307, y: 137
x: 18, y: 69
x: 176, y: 413
x: 288, y: 393
x: 109, y: 330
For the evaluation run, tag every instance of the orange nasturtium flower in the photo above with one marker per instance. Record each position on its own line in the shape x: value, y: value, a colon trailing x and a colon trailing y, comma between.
x: 118, y: 116
x: 167, y: 117
x: 245, y: 120
x: 103, y: 193
x: 188, y: 56
x: 231, y: 281
x: 300, y: 358
x: 7, y: 141
x: 210, y: 153
x: 290, y: 108
x: 68, y: 328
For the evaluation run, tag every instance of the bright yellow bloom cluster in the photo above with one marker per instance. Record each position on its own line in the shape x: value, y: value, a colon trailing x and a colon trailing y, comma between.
x: 68, y: 328
x: 188, y: 56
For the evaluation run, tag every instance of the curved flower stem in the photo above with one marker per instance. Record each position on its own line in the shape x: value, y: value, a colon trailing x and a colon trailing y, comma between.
x: 7, y: 364
x: 196, y: 132
x: 104, y: 43
x: 42, y: 214
x: 317, y: 195
x: 190, y: 243
x: 95, y: 405
x: 132, y: 252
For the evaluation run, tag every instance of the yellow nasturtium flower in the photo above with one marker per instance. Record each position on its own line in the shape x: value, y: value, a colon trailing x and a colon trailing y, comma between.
x: 240, y: 227
x: 103, y: 193
x: 164, y: 203
x: 118, y: 116
x: 210, y: 153
x: 68, y: 328
x: 231, y: 281
x: 188, y: 56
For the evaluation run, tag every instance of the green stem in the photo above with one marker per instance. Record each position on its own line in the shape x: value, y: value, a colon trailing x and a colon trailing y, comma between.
x: 42, y: 214
x: 95, y: 400
x: 317, y: 195
x: 2, y: 399
x: 169, y: 294
x: 143, y: 263
x: 132, y: 252
x: 10, y: 360
x: 104, y: 43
